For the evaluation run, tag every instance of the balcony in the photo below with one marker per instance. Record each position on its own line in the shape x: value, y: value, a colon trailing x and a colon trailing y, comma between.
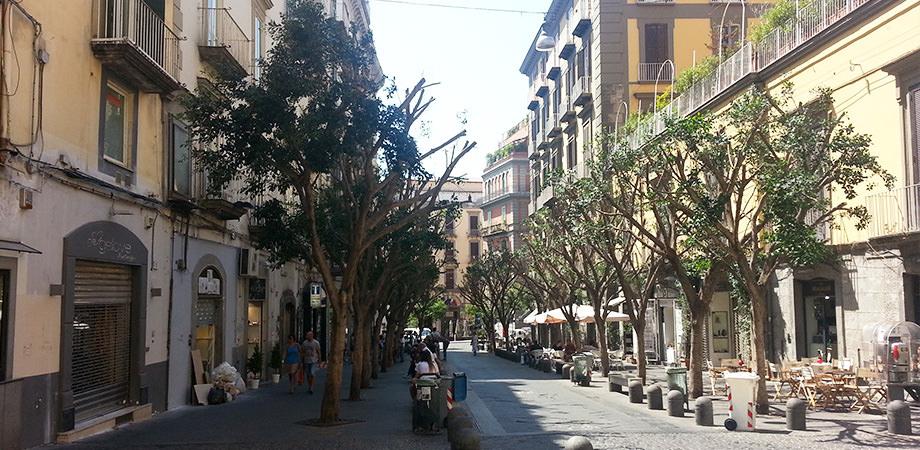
x: 652, y: 72
x: 811, y: 20
x: 582, y: 94
x: 553, y: 73
x: 545, y: 140
x: 584, y: 19
x: 218, y: 203
x: 473, y: 232
x: 894, y: 212
x: 133, y: 42
x: 567, y: 51
x: 222, y: 42
x: 555, y: 126
x: 495, y: 229
x: 567, y: 108
x: 540, y: 87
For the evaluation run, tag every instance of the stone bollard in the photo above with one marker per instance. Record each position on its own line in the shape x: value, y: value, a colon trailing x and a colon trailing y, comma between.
x: 567, y: 371
x: 467, y: 439
x: 457, y: 427
x: 899, y: 417
x: 795, y: 414
x: 675, y: 403
x: 654, y: 397
x: 635, y: 391
x: 578, y: 443
x: 458, y: 412
x: 702, y: 411
x: 611, y: 386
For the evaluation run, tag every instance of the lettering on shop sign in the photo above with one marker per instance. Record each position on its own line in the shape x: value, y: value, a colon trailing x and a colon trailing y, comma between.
x: 110, y: 247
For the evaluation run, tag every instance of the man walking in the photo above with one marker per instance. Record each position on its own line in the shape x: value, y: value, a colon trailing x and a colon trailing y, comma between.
x: 311, y: 358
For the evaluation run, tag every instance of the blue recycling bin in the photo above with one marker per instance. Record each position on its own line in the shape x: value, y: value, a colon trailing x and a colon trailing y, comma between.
x: 459, y: 386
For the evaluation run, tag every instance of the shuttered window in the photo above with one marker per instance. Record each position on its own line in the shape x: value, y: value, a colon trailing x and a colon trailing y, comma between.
x: 913, y: 101
x: 101, y: 338
x: 656, y: 43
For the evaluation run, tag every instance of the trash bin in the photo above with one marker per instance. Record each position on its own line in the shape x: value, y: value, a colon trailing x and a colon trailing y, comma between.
x: 677, y: 380
x: 742, y: 395
x: 459, y: 386
x: 582, y: 370
x: 427, y: 409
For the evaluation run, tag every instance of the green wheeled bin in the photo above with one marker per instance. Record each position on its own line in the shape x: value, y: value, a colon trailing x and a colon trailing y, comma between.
x: 677, y: 380
x: 581, y: 373
x: 428, y: 406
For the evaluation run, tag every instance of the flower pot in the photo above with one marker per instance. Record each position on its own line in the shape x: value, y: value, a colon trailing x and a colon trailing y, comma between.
x: 276, y: 378
x: 254, y: 384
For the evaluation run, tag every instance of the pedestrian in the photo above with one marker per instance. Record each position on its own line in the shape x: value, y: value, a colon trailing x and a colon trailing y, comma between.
x: 433, y: 341
x: 312, y: 359
x: 426, y: 368
x: 474, y: 343
x: 292, y: 362
x: 445, y: 341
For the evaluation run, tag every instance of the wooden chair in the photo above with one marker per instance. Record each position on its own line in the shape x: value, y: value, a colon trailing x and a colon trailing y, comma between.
x: 868, y: 391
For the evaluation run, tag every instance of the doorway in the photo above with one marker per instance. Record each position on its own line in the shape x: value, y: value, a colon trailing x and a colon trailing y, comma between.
x: 5, y: 300
x: 818, y: 325
x: 208, y: 318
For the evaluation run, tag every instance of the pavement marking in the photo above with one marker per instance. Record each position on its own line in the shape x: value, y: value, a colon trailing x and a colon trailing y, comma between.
x: 488, y: 424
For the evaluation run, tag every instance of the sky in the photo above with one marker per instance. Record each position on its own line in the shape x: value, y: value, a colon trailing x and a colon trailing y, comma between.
x: 475, y: 56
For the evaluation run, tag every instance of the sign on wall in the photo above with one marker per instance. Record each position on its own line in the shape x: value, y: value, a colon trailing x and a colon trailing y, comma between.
x: 208, y: 283
x: 257, y: 289
x: 316, y: 295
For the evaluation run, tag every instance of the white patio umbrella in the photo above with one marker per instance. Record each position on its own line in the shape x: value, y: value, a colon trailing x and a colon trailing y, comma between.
x: 530, y: 318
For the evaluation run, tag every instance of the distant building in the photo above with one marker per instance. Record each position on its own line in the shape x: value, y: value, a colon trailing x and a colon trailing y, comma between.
x: 464, y: 234
x: 506, y: 191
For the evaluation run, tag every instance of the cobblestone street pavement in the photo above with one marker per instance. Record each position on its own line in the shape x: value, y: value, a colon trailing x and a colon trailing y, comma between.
x: 515, y: 408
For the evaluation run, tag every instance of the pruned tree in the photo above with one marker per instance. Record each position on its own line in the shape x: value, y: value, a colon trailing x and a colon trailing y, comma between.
x: 491, y: 285
x: 311, y: 133
x: 758, y: 180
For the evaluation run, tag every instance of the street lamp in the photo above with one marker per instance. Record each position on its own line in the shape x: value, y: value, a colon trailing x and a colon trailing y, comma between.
x: 743, y: 22
x: 616, y: 120
x: 545, y: 43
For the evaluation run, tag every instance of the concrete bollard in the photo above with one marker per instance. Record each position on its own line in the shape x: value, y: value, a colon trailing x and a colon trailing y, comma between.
x: 675, y: 403
x: 567, y: 371
x: 611, y: 386
x: 467, y: 439
x: 654, y: 397
x: 635, y: 391
x: 457, y: 426
x: 895, y: 393
x: 702, y: 411
x: 458, y: 412
x: 899, y: 417
x: 578, y: 443
x: 795, y: 414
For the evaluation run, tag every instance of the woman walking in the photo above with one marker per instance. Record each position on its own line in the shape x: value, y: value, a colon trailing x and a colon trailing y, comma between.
x: 292, y: 362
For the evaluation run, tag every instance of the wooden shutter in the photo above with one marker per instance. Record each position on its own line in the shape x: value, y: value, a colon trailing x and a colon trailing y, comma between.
x: 913, y: 125
x: 656, y: 42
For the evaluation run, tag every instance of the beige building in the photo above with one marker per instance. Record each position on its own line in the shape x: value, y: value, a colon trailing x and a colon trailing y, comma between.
x: 464, y: 233
x: 506, y: 191
x: 115, y: 263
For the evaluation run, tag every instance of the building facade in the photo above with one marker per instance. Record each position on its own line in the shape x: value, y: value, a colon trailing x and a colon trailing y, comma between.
x: 116, y: 263
x: 506, y: 191
x: 466, y: 245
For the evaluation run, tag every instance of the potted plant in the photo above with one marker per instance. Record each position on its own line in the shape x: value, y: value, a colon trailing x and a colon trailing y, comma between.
x: 254, y: 368
x: 275, y: 363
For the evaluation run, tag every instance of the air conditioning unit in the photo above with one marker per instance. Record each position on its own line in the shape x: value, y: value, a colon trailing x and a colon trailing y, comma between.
x: 249, y: 263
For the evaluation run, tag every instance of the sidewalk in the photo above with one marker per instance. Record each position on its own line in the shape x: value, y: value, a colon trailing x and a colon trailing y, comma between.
x: 270, y: 418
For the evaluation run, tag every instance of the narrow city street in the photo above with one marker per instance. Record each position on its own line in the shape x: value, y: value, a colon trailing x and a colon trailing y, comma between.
x: 515, y: 407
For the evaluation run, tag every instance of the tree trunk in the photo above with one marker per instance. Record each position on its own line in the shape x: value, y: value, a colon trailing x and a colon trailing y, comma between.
x: 375, y: 351
x: 639, y: 326
x: 492, y: 339
x: 576, y: 333
x: 758, y: 344
x: 698, y: 316
x: 390, y: 346
x: 505, y: 335
x: 329, y: 410
x: 358, y: 356
x: 602, y: 341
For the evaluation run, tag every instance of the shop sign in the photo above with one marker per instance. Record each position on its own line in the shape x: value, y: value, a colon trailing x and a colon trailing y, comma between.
x: 208, y: 284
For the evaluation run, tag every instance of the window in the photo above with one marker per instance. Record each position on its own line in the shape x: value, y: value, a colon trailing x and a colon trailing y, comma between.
x: 449, y: 253
x: 730, y: 36
x: 449, y: 279
x: 587, y: 131
x: 488, y: 216
x: 474, y: 222
x: 257, y: 33
x: 504, y: 211
x: 474, y: 251
x: 572, y: 151
x: 181, y: 160
x: 449, y: 225
x: 117, y: 124
x: 913, y: 127
x: 656, y: 43
x: 5, y: 293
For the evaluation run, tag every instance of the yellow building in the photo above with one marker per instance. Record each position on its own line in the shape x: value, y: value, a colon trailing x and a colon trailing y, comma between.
x: 115, y: 263
x: 867, y: 52
x: 464, y: 234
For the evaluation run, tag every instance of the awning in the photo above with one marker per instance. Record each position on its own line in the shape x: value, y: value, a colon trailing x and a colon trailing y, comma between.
x: 16, y: 246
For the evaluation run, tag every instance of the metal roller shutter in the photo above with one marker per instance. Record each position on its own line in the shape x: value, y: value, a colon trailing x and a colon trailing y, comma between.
x: 101, y: 338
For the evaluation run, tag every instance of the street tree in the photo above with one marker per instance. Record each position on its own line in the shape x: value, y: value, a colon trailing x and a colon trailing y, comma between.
x: 311, y: 133
x: 760, y: 179
x: 491, y: 285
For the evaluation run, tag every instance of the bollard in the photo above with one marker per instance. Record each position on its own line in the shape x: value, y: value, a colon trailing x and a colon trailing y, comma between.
x: 895, y: 392
x: 654, y: 397
x: 703, y: 411
x: 675, y: 403
x: 611, y: 386
x: 456, y: 427
x: 567, y: 371
x: 899, y: 417
x: 467, y: 439
x: 456, y: 413
x: 578, y: 443
x: 795, y: 414
x: 635, y: 391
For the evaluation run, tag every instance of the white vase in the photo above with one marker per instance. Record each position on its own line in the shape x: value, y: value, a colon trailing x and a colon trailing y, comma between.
x: 276, y: 378
x: 253, y: 384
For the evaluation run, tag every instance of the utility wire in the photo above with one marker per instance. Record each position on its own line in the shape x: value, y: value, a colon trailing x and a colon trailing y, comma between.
x: 470, y: 8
